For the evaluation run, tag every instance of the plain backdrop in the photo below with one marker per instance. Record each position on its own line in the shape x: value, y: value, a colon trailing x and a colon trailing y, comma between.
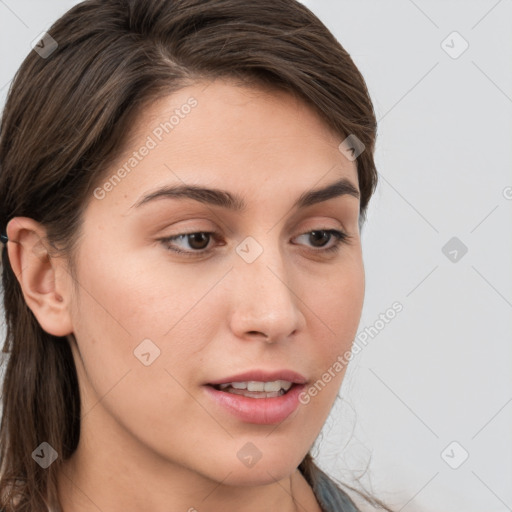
x: 424, y: 418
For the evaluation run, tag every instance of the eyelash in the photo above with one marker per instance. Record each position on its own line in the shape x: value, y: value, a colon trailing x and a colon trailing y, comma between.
x: 340, y: 238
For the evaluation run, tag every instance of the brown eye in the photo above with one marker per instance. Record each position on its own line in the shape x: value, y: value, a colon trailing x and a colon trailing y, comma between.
x: 320, y: 238
x: 197, y: 240
x: 189, y: 243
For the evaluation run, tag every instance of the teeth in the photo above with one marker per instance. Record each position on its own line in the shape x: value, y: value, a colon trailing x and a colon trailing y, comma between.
x: 256, y: 386
x: 256, y: 394
x: 273, y: 386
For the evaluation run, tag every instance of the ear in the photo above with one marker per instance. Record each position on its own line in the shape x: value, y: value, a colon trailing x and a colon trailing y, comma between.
x: 44, y: 280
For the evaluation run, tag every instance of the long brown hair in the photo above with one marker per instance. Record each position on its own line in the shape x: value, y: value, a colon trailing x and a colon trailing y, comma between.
x: 67, y: 115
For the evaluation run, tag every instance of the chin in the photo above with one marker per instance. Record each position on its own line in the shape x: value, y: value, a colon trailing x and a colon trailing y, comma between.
x: 272, y: 466
x: 264, y: 475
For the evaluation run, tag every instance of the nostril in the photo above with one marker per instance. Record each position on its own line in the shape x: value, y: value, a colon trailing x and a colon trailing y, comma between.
x: 266, y: 336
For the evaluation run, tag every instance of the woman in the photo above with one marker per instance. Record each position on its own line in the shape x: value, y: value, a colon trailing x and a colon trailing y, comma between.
x: 182, y: 189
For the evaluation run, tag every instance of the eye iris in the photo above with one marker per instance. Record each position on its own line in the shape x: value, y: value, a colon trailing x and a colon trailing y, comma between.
x: 322, y: 236
x: 194, y: 237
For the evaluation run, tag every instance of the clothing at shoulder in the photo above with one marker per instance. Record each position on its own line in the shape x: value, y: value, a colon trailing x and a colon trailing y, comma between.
x: 331, y: 498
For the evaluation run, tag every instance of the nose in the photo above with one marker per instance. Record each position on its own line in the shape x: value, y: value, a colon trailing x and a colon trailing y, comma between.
x: 264, y: 304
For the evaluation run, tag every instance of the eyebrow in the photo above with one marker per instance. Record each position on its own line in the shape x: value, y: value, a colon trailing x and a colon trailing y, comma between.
x: 225, y: 199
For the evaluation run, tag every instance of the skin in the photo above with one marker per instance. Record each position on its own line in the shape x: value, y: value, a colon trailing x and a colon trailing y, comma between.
x: 151, y: 439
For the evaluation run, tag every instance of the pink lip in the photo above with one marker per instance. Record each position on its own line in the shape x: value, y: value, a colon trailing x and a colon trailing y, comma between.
x: 262, y: 376
x: 263, y: 411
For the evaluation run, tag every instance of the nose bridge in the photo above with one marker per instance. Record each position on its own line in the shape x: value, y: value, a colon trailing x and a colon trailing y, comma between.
x: 264, y: 296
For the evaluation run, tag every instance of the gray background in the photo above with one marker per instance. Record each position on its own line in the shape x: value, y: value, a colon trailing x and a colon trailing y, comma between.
x: 439, y: 372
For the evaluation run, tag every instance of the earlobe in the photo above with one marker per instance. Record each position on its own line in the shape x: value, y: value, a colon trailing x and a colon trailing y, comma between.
x: 43, y: 278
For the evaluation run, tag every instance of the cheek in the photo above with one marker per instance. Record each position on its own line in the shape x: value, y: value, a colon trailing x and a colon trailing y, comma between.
x: 335, y: 312
x: 137, y: 297
x: 128, y: 301
x: 155, y: 308
x: 337, y: 303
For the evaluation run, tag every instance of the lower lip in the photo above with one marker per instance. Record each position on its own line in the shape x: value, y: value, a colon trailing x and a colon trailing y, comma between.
x: 263, y: 411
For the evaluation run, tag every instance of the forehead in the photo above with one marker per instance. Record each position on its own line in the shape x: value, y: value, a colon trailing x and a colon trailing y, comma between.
x: 225, y: 135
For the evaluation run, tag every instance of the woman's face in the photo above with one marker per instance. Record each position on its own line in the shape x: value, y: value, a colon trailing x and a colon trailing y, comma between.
x: 261, y: 299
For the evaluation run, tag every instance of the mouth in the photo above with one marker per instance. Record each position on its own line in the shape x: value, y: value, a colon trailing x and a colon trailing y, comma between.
x: 258, y: 396
x: 256, y: 389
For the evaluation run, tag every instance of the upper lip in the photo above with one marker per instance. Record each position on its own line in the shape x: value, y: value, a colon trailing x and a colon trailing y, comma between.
x: 262, y: 376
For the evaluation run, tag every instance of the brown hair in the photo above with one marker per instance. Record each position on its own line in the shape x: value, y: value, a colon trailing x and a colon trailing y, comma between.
x: 67, y: 117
